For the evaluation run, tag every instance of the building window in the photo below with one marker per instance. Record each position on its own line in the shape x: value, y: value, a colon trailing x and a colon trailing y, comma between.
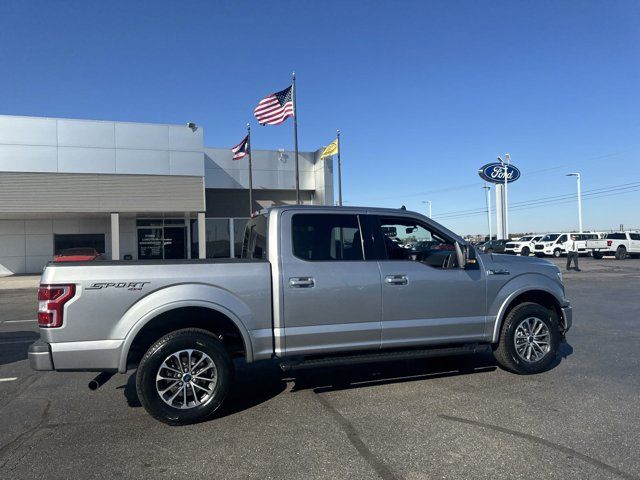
x: 239, y: 225
x: 78, y: 240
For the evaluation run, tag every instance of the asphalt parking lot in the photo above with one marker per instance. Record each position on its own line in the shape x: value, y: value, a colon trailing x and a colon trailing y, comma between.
x: 450, y: 418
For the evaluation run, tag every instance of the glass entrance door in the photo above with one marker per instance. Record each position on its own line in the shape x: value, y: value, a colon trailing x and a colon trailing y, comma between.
x: 161, y: 239
x: 150, y: 243
x: 174, y: 242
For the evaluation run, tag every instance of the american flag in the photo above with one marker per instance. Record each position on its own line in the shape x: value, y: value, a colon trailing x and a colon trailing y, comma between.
x: 242, y: 149
x: 276, y: 108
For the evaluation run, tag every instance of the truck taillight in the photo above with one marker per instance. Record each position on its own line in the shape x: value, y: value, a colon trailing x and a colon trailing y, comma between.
x: 609, y: 243
x: 51, y: 300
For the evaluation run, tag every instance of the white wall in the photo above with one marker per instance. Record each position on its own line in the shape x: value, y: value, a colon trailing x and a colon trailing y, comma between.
x: 27, y: 245
x: 59, y: 145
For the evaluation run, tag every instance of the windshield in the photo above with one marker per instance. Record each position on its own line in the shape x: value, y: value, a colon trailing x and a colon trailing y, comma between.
x: 550, y: 237
x: 525, y: 239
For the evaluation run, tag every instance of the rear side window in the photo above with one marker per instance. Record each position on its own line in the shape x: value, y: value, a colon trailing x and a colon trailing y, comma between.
x: 326, y: 237
x: 254, y: 244
x: 616, y: 236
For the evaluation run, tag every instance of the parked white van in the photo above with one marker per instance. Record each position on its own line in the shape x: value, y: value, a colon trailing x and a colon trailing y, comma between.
x: 555, y: 244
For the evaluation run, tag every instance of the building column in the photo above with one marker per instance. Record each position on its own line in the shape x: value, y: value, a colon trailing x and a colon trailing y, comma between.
x: 187, y: 223
x: 115, y: 236
x: 202, y: 236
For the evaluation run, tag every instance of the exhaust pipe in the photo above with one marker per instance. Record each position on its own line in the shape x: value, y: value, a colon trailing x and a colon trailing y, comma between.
x: 101, y: 379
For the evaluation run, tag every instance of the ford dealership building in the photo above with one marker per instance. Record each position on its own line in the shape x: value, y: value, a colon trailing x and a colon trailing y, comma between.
x: 134, y: 191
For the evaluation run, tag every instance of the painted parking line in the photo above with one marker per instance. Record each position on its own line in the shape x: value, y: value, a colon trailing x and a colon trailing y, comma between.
x: 8, y: 379
x: 20, y: 321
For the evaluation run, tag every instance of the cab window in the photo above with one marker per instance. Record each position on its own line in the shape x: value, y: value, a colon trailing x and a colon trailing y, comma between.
x: 407, y: 239
x: 326, y: 237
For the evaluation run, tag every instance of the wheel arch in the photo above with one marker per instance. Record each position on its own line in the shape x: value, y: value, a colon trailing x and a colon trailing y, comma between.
x: 185, y: 306
x: 543, y: 295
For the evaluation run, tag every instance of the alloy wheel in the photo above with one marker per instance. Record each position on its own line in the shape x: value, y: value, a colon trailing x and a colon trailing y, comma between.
x: 532, y: 339
x: 186, y: 379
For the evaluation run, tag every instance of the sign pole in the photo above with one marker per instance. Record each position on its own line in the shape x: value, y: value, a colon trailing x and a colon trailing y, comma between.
x: 488, y: 191
x: 295, y: 134
x: 250, y: 170
x: 339, y: 171
x: 507, y: 160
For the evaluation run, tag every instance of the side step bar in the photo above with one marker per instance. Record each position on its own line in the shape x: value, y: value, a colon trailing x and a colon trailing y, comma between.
x: 381, y: 356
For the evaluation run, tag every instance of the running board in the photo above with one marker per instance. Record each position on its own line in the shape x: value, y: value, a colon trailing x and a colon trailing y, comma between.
x: 381, y: 356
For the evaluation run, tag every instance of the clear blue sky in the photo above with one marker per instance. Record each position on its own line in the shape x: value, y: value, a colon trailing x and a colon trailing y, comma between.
x: 424, y: 92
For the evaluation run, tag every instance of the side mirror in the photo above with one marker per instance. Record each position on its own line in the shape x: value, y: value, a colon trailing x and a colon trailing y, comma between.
x: 465, y: 256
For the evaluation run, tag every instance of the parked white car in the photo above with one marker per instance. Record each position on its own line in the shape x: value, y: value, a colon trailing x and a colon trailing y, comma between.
x: 555, y: 244
x: 620, y: 244
x: 523, y: 246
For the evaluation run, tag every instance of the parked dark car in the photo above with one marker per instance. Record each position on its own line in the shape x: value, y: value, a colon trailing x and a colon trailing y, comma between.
x: 494, y: 246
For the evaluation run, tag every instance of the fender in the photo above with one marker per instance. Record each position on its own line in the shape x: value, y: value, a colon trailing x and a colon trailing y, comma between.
x: 178, y: 296
x: 516, y: 286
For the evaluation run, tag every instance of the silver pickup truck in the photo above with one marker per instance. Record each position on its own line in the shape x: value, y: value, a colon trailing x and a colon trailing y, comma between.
x: 316, y: 286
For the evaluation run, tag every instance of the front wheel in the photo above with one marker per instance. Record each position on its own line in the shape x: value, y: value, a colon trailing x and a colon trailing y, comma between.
x: 525, y: 251
x: 184, y: 377
x: 557, y: 253
x: 529, y: 339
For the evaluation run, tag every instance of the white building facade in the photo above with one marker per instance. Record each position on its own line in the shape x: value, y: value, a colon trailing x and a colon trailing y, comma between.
x: 134, y: 191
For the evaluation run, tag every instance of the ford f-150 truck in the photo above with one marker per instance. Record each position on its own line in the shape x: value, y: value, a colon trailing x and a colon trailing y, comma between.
x: 316, y: 286
x: 619, y: 244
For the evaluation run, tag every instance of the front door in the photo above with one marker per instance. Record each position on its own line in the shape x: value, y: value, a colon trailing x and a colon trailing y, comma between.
x: 426, y: 298
x: 331, y: 292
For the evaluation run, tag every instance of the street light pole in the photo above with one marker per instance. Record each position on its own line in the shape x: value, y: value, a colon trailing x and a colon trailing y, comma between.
x: 577, y: 175
x: 488, y: 189
x: 428, y: 203
x: 507, y: 161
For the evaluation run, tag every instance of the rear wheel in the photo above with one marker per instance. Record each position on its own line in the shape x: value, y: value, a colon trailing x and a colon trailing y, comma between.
x: 184, y: 377
x: 621, y: 253
x: 529, y: 339
x: 525, y: 251
x: 557, y: 253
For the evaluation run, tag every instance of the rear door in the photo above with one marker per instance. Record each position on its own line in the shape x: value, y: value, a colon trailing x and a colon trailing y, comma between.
x: 332, y: 297
x: 634, y: 243
x: 426, y: 298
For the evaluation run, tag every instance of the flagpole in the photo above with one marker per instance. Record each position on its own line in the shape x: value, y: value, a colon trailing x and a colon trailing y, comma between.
x: 295, y: 134
x: 250, y: 170
x: 339, y: 171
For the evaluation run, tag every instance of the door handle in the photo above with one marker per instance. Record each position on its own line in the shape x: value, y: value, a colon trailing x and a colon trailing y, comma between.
x: 396, y: 280
x: 302, y: 282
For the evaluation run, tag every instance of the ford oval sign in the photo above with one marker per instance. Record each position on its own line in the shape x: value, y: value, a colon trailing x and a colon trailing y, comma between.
x: 494, y: 173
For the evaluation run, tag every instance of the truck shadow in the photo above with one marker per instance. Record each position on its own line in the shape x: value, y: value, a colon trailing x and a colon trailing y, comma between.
x: 14, y: 345
x: 259, y: 382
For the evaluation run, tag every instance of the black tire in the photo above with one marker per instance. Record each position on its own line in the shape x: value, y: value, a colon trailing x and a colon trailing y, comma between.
x: 525, y: 251
x: 150, y: 365
x: 557, y: 253
x: 505, y: 352
x: 621, y: 253
x: 597, y: 255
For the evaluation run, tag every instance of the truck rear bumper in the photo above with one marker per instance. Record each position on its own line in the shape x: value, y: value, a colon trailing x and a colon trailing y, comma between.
x: 92, y: 356
x: 40, y: 357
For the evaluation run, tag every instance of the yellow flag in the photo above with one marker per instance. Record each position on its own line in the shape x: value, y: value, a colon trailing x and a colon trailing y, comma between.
x: 332, y: 149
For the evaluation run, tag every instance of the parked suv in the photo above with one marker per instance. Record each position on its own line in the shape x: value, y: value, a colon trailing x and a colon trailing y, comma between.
x: 494, y: 246
x: 523, y: 246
